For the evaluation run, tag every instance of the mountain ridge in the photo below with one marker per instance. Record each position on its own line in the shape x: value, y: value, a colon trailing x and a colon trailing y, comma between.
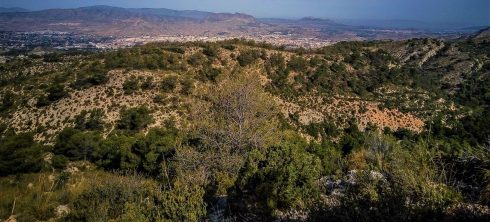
x: 116, y: 21
x: 104, y: 20
x: 14, y: 9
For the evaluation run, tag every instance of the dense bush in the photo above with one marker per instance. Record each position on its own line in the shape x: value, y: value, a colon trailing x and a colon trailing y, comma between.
x: 282, y: 176
x: 133, y: 198
x: 8, y: 100
x: 210, y: 51
x: 352, y: 139
x: 229, y: 47
x: 325, y: 129
x: 248, y: 57
x: 197, y: 59
x: 54, y: 92
x: 59, y: 161
x: 77, y: 145
x: 147, y: 83
x: 391, y: 182
x: 91, y: 75
x: 149, y: 154
x: 176, y: 49
x: 298, y: 64
x: 134, y: 119
x: 187, y: 85
x: 169, y: 83
x: 277, y: 60
x: 52, y: 57
x: 209, y: 74
x: 149, y: 56
x: 131, y: 85
x: 19, y: 153
x: 330, y: 157
x: 94, y: 121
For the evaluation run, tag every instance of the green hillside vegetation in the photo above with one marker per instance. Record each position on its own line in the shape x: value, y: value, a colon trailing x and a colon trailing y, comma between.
x: 244, y: 131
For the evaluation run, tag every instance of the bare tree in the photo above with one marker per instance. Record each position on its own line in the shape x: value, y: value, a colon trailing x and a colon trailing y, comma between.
x: 237, y: 115
x: 230, y: 118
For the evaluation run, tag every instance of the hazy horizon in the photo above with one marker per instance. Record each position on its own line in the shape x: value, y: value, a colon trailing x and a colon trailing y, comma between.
x: 469, y: 13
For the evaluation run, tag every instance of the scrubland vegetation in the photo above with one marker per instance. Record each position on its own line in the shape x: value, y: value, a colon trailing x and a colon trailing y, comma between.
x: 244, y: 131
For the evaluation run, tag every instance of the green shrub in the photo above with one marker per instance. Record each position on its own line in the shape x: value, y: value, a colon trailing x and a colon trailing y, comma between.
x: 52, y: 57
x: 106, y: 199
x: 94, y: 121
x: 229, y: 47
x: 20, y: 154
x: 176, y: 49
x: 115, y: 152
x: 277, y: 60
x: 197, y: 59
x: 298, y: 64
x: 91, y: 75
x: 59, y: 161
x: 131, y: 85
x: 248, y: 57
x: 157, y: 147
x: 281, y: 177
x: 134, y: 119
x: 143, y: 153
x: 8, y: 100
x: 147, y: 83
x: 353, y: 138
x: 169, y: 83
x: 209, y: 74
x: 184, y: 202
x: 210, y: 51
x: 330, y: 157
x: 159, y: 98
x: 133, y: 198
x: 187, y: 85
x: 389, y: 182
x: 325, y: 130
x: 54, y: 92
x: 77, y: 145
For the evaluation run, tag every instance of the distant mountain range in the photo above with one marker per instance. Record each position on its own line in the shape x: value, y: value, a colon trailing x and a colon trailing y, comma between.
x: 106, y: 20
x: 4, y: 10
x: 406, y: 24
x: 115, y: 21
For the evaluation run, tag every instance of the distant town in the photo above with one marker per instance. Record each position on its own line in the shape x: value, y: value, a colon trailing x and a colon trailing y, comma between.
x: 47, y: 41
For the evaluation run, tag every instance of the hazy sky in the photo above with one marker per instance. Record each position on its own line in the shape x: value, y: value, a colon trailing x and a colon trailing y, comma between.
x: 475, y: 12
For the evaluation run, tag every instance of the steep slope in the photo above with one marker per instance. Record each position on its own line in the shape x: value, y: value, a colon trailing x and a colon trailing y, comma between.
x: 395, y: 85
x: 482, y: 35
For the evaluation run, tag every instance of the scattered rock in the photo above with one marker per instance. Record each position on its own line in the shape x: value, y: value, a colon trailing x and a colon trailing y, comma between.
x: 48, y: 158
x: 468, y: 212
x: 12, y: 218
x: 52, y: 177
x: 61, y: 211
x: 292, y: 215
x: 71, y: 169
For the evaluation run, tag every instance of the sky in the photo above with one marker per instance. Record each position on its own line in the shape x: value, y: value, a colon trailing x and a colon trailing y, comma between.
x: 468, y: 12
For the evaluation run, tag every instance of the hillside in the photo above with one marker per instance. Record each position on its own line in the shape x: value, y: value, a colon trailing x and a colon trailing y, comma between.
x: 247, y: 131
